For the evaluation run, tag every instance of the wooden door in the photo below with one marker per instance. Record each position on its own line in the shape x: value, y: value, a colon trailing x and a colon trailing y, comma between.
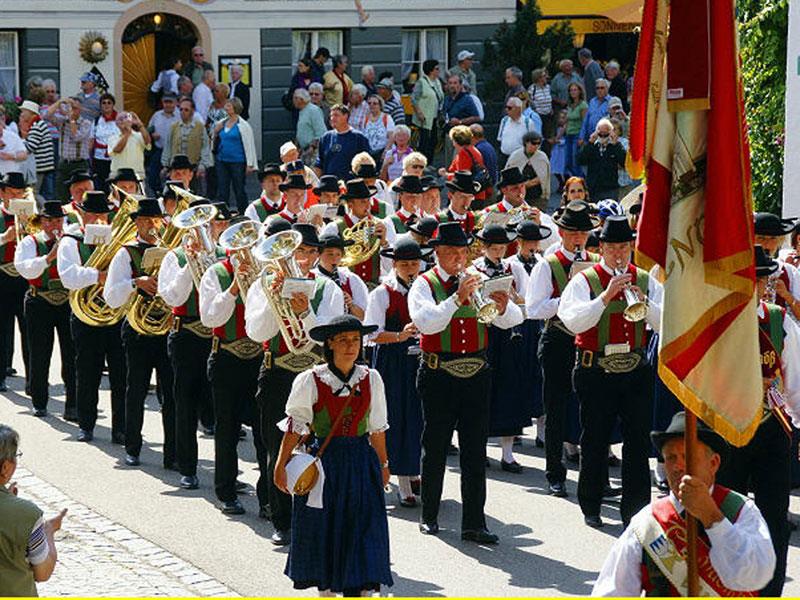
x: 138, y: 73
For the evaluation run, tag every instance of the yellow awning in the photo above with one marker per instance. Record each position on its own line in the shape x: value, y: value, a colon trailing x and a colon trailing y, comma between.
x: 620, y: 11
x: 584, y: 26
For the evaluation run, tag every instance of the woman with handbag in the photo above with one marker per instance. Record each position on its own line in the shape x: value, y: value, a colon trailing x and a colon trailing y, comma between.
x: 340, y: 534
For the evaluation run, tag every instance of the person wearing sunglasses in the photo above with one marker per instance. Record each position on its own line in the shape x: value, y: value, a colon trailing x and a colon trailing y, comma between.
x: 196, y: 67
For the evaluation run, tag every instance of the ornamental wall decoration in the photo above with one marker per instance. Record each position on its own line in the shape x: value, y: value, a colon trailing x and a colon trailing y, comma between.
x: 93, y: 47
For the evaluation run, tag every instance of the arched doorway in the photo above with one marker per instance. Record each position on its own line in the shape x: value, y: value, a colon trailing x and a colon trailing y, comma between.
x: 148, y: 43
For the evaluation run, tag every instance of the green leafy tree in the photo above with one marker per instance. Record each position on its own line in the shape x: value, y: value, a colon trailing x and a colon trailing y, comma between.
x: 762, y: 36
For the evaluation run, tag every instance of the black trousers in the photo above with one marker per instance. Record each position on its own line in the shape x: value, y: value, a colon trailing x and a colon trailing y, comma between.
x: 188, y: 354
x: 12, y: 306
x: 274, y: 386
x: 451, y: 403
x: 557, y: 357
x: 94, y: 347
x: 604, y: 397
x: 143, y: 354
x: 44, y: 321
x: 764, y: 467
x: 233, y: 387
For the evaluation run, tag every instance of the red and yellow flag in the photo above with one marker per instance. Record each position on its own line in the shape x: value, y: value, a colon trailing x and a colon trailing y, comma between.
x: 696, y: 219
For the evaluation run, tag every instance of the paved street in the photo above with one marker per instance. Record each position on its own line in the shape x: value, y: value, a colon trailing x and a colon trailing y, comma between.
x: 133, y: 532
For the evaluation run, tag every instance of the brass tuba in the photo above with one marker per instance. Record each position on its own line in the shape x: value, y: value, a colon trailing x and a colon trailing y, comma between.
x: 195, y: 222
x: 277, y: 251
x: 88, y: 303
x: 238, y: 240
x: 150, y: 315
x: 366, y: 243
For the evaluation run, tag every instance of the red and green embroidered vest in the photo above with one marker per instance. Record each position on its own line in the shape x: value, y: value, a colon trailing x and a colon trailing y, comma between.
x: 233, y: 329
x: 190, y: 308
x: 264, y: 209
x: 276, y: 345
x: 401, y: 223
x: 136, y: 252
x: 397, y: 314
x: 7, y: 250
x: 560, y: 267
x: 327, y: 408
x: 654, y: 582
x: 612, y: 328
x: 370, y: 269
x: 378, y: 208
x: 464, y: 334
x: 467, y: 224
x: 49, y: 279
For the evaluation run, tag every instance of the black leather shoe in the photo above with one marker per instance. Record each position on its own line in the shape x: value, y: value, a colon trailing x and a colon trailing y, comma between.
x: 593, y: 521
x: 85, y: 436
x: 40, y: 412
x: 431, y: 528
x: 71, y: 415
x: 281, y: 538
x: 511, y: 467
x: 232, y: 507
x: 118, y: 438
x: 241, y: 487
x: 11, y: 371
x: 479, y: 536
x: 189, y: 482
x: 3, y: 386
x: 611, y: 491
x: 559, y: 490
x: 132, y: 461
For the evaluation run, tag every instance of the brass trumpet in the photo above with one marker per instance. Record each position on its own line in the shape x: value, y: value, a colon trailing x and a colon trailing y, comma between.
x: 485, y: 308
x: 239, y: 240
x: 366, y: 242
x: 636, y: 309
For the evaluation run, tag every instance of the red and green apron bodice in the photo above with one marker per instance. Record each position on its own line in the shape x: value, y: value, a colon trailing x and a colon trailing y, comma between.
x: 327, y: 407
x: 370, y: 269
x: 264, y: 209
x: 612, y: 328
x: 467, y: 224
x: 7, y: 250
x: 560, y: 266
x: 85, y: 250
x: 191, y: 308
x: 233, y: 329
x: 378, y: 209
x: 397, y: 314
x: 136, y: 253
x: 277, y: 345
x: 464, y: 334
x: 401, y: 222
x: 49, y: 279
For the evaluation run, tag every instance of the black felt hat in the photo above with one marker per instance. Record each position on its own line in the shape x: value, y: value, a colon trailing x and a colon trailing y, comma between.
x: 168, y: 194
x: 223, y: 211
x: 768, y: 224
x: 450, y: 234
x: 180, y: 161
x: 576, y: 216
x: 409, y: 184
x: 271, y: 169
x: 406, y: 248
x: 339, y: 324
x: 366, y: 171
x: 309, y: 233
x: 496, y: 234
x: 294, y: 182
x: 123, y: 174
x: 765, y: 264
x: 94, y: 202
x: 77, y: 177
x: 276, y: 224
x: 15, y: 180
x: 52, y: 210
x: 328, y: 183
x: 677, y: 428
x: 617, y: 229
x: 530, y: 231
x: 463, y: 181
x: 358, y: 189
x: 334, y: 240
x: 148, y: 207
x: 510, y: 176
x: 425, y: 227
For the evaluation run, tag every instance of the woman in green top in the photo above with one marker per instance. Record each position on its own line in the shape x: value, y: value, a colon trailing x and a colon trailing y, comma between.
x: 576, y: 111
x: 427, y: 98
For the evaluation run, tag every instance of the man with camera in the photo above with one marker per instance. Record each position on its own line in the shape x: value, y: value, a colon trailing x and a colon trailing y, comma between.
x: 602, y: 156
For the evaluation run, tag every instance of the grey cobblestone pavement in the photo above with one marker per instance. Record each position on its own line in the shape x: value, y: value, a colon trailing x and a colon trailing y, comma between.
x: 98, y: 557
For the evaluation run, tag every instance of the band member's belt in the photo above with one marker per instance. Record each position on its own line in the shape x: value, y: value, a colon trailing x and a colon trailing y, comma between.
x: 463, y: 368
x: 624, y: 362
x: 244, y: 348
x: 192, y: 325
x: 54, y: 297
x: 296, y: 363
x: 556, y: 323
x: 9, y: 269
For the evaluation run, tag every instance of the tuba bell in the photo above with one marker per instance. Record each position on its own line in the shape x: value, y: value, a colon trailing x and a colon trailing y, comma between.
x: 238, y: 240
x: 278, y: 251
x: 365, y: 245
x: 195, y: 222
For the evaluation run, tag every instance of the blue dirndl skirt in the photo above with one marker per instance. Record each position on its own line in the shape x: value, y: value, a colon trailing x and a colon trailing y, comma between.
x: 345, y: 544
x: 509, y: 404
x: 532, y: 370
x: 404, y: 436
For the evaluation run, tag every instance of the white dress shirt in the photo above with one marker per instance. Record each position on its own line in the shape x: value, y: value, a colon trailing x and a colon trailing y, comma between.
x: 358, y: 289
x: 71, y: 272
x: 261, y: 324
x: 580, y: 312
x: 175, y: 283
x: 431, y: 318
x: 741, y: 554
x: 391, y: 231
x: 26, y: 261
x: 300, y: 405
x: 119, y: 283
x: 216, y: 305
x: 538, y: 301
x: 203, y: 99
x: 790, y: 358
x: 251, y: 213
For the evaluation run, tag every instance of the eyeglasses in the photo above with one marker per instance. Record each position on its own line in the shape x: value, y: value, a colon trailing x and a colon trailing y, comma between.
x: 509, y: 107
x: 199, y: 54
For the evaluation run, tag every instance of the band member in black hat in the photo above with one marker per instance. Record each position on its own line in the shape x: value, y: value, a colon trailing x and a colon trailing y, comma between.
x: 126, y: 179
x: 143, y: 353
x: 95, y: 344
x: 281, y: 366
x: 47, y: 309
x: 784, y: 285
x: 294, y: 194
x: 353, y: 288
x: 431, y: 201
x: 461, y: 190
x: 189, y: 341
x: 79, y: 183
x: 735, y: 555
x: 270, y: 202
x: 341, y: 544
x: 763, y: 466
x: 182, y: 169
x: 454, y: 379
x: 612, y: 376
x: 12, y: 285
x: 168, y: 201
x: 328, y: 192
x: 357, y: 196
x: 556, y: 353
x: 409, y: 191
x: 363, y: 167
x: 233, y: 367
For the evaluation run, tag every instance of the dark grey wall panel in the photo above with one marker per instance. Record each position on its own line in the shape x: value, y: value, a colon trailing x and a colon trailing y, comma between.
x: 39, y: 54
x: 276, y: 72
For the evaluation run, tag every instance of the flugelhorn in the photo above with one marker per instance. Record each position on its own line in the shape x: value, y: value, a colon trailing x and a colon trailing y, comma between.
x: 486, y: 309
x: 636, y: 309
x: 238, y: 240
x: 365, y: 245
x: 194, y: 221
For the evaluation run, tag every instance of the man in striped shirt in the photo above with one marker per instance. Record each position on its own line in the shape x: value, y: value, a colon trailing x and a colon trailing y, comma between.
x: 38, y: 141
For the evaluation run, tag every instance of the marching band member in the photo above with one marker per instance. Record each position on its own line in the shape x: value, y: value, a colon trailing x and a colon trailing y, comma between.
x: 281, y: 367
x: 189, y: 341
x: 353, y: 288
x: 271, y: 200
x: 397, y: 361
x: 12, y: 285
x: 409, y: 190
x: 342, y: 547
x: 557, y: 344
x: 422, y: 231
x: 125, y: 179
x: 763, y: 465
x: 143, y: 353
x: 294, y: 194
x: 47, y: 310
x: 95, y: 345
x: 79, y: 183
x: 461, y: 189
x: 454, y: 380
x: 328, y: 191
x: 233, y: 367
x: 431, y: 201
x: 612, y: 377
x: 363, y: 166
x: 181, y: 169
x: 168, y: 201
x: 784, y: 289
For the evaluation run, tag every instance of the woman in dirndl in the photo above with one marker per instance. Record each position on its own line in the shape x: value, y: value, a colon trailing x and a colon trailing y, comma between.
x: 396, y: 358
x: 343, y: 546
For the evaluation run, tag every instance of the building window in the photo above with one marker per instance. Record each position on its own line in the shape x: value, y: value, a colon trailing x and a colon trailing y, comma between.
x: 420, y: 45
x: 306, y: 43
x: 9, y: 65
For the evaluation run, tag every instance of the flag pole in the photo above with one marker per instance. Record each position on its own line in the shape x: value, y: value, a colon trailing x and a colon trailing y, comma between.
x: 690, y: 451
